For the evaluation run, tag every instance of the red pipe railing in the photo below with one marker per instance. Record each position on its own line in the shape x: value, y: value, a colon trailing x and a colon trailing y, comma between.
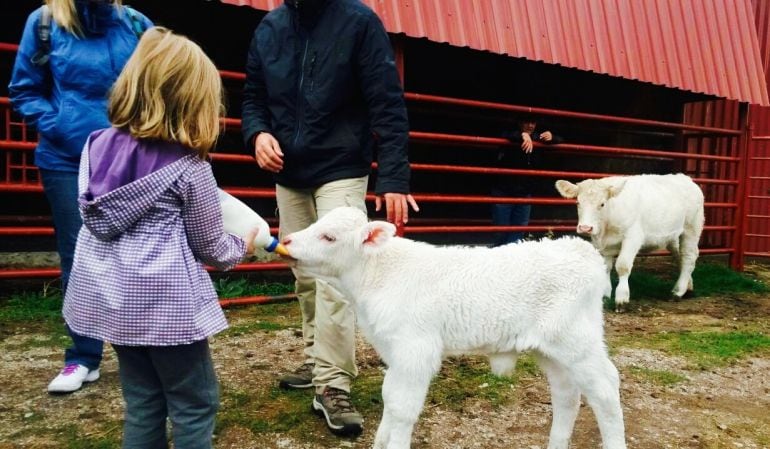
x: 488, y: 105
x: 230, y: 123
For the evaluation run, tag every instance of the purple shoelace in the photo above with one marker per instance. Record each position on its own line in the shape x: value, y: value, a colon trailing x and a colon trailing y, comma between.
x: 69, y: 369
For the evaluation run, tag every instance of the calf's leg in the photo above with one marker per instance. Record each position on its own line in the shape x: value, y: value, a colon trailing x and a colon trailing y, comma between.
x: 623, y: 266
x: 503, y: 364
x: 597, y: 378
x: 565, y: 398
x: 403, y: 392
x: 688, y: 256
x: 608, y: 262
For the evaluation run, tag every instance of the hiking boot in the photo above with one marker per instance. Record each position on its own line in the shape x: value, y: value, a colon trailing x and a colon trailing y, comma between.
x: 301, y: 377
x: 71, y: 378
x: 341, y: 417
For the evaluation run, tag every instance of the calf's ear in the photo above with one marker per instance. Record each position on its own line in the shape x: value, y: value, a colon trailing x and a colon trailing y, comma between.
x: 566, y: 188
x: 616, y: 187
x: 375, y: 233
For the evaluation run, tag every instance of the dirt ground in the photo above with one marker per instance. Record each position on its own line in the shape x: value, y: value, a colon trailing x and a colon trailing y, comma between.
x: 724, y: 407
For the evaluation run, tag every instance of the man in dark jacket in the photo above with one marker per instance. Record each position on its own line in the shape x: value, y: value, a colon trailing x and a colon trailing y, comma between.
x: 322, y: 94
x: 522, y: 155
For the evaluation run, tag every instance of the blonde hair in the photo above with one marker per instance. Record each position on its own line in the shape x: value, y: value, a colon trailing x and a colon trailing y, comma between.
x: 169, y: 90
x: 66, y: 16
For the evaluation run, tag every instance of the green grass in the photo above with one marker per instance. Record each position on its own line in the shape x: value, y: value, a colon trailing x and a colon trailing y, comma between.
x: 714, y: 279
x: 233, y: 288
x: 75, y: 438
x: 658, y: 377
x: 470, y: 378
x: 709, y: 279
x: 267, y: 409
x: 31, y: 307
x: 271, y: 411
x: 704, y: 349
x: 367, y: 391
x: 265, y: 317
x: 244, y: 329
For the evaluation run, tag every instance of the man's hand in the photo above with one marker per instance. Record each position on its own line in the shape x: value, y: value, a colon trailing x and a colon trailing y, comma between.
x: 526, y: 143
x: 268, y: 152
x: 396, y: 207
x: 546, y: 136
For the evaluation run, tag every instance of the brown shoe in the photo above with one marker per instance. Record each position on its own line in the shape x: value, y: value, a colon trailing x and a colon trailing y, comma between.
x: 301, y: 377
x: 336, y: 407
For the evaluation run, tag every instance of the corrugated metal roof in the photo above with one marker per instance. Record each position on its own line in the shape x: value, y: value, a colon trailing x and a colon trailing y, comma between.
x: 704, y: 46
x: 762, y: 21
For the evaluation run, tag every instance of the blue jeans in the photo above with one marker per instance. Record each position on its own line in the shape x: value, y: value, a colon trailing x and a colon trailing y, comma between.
x: 177, y: 382
x: 61, y: 189
x: 510, y: 215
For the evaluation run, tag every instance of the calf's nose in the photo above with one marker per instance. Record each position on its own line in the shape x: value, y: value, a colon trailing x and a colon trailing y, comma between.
x: 584, y: 229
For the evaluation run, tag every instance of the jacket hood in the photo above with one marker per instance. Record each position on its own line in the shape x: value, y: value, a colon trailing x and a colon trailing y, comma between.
x: 96, y: 16
x: 307, y: 11
x: 125, y: 178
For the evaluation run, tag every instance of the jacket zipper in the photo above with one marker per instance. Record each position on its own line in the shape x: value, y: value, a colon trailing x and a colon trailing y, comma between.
x: 299, y: 94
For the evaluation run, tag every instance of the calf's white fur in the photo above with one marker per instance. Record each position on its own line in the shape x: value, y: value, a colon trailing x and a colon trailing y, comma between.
x: 627, y: 214
x: 417, y: 303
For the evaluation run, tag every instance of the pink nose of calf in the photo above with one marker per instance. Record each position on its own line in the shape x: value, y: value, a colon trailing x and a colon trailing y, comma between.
x: 583, y: 229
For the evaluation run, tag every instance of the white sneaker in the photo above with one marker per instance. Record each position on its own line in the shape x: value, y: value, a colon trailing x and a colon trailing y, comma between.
x: 71, y: 378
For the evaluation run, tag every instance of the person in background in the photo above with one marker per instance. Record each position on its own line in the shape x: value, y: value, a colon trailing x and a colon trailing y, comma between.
x: 522, y: 154
x: 59, y: 84
x: 152, y: 219
x: 322, y: 95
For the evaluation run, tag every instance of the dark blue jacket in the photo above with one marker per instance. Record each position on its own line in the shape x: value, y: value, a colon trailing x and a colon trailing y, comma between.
x: 66, y: 99
x: 512, y: 156
x: 329, y: 93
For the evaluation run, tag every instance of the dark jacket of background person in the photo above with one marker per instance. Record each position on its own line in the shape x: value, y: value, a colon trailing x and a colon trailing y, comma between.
x: 325, y: 88
x: 66, y: 98
x: 513, y: 157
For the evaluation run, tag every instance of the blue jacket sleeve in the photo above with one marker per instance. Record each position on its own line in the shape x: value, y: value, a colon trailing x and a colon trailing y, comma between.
x: 381, y: 88
x: 255, y: 115
x: 31, y: 85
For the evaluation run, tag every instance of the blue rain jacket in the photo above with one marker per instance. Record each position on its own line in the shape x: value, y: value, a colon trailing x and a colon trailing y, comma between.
x: 66, y: 99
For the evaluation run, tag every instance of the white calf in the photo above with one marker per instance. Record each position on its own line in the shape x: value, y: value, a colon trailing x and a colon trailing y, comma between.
x: 417, y: 303
x: 626, y: 214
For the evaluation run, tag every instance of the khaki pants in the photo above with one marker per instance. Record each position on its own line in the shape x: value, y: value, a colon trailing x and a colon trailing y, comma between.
x: 328, y: 323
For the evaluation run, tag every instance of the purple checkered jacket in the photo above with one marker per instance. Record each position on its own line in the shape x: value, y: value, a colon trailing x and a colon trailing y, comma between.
x: 151, y: 220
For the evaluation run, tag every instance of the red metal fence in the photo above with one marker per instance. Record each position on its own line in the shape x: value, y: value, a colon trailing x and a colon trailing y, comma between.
x: 756, y: 228
x: 715, y: 155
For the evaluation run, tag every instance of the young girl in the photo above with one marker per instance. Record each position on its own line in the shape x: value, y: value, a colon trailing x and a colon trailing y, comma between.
x: 151, y: 219
x: 60, y: 87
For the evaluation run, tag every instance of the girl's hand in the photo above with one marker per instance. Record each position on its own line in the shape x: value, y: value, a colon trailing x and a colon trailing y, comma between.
x: 249, y: 239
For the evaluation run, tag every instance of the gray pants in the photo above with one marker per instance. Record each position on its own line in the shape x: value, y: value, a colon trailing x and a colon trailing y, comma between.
x: 328, y: 323
x: 174, y: 381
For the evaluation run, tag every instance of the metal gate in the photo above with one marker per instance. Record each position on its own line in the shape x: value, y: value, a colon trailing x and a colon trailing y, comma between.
x: 756, y: 225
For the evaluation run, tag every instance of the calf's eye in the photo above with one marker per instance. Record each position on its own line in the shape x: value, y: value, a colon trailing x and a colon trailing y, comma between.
x: 328, y: 238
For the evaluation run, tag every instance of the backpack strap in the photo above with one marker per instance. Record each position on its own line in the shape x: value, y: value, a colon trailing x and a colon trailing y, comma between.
x: 40, y: 58
x: 136, y: 23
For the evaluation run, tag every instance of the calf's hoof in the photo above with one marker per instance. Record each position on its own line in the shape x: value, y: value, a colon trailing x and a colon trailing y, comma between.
x: 620, y: 303
x: 688, y: 294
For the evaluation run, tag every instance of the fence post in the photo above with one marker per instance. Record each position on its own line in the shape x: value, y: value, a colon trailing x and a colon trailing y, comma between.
x: 742, y: 192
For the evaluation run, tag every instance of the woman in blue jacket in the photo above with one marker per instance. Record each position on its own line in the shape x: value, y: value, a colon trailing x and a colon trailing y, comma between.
x: 70, y: 54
